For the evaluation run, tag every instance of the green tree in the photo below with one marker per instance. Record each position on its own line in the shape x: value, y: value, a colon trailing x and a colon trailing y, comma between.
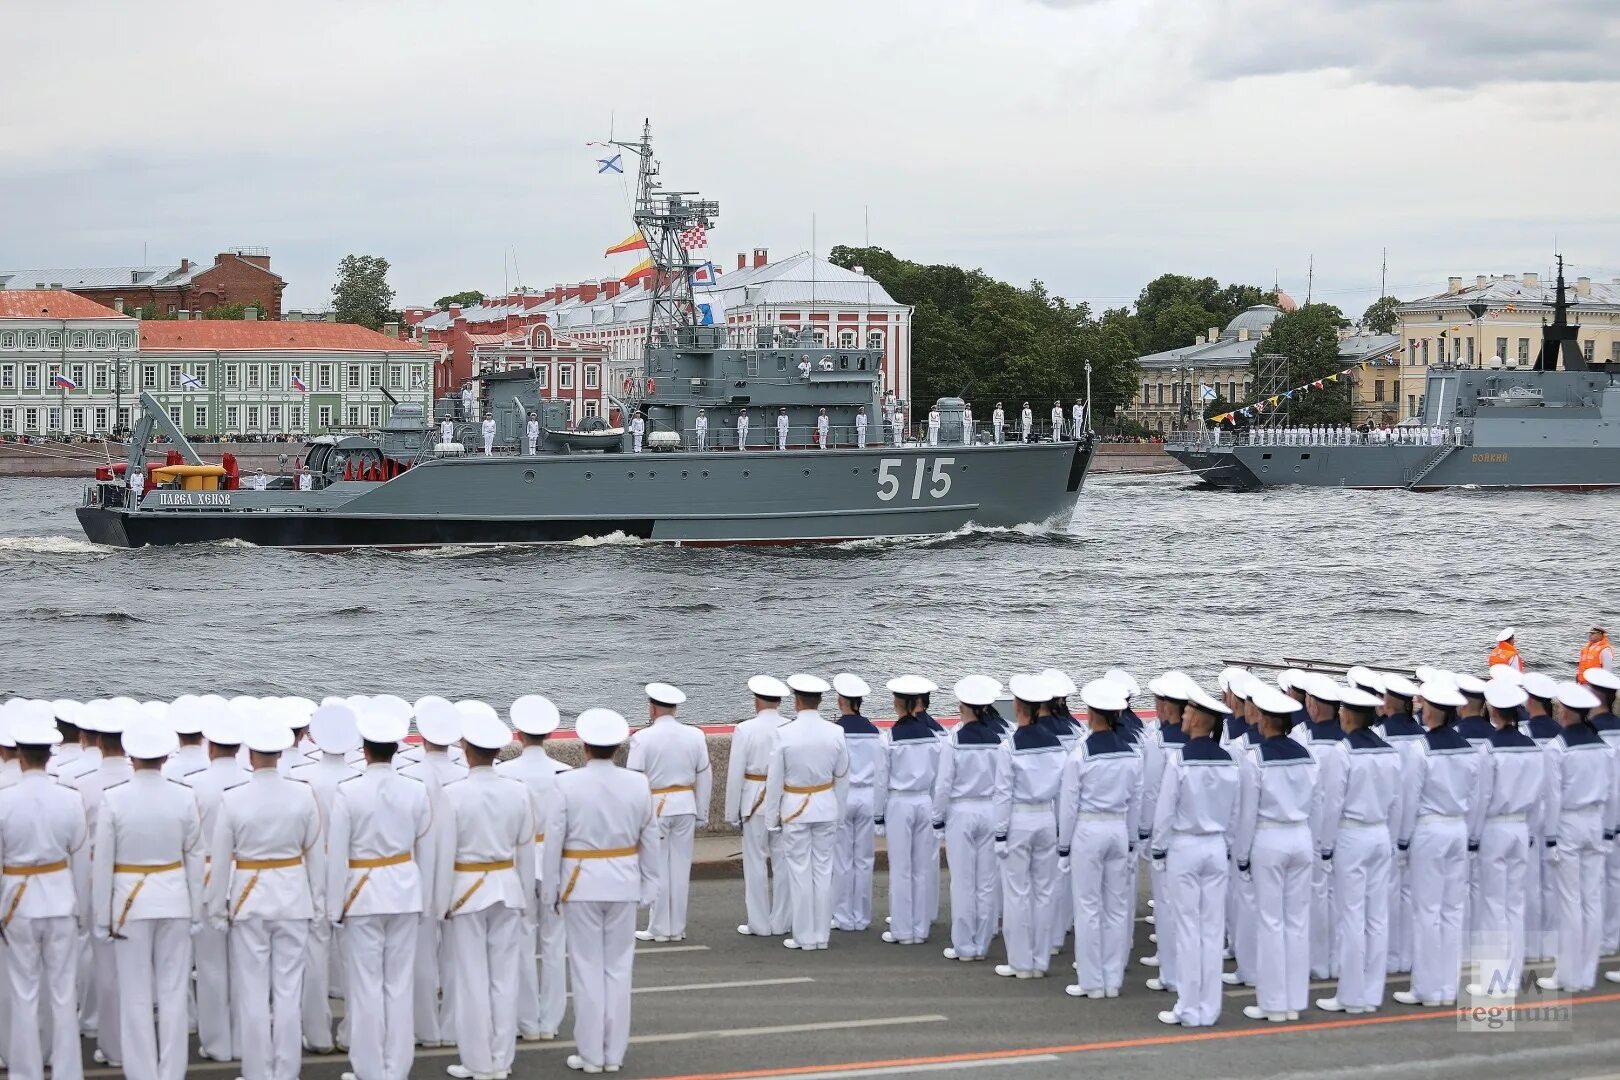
x: 361, y: 294
x: 234, y: 312
x: 1309, y: 338
x: 1173, y: 309
x: 465, y: 299
x: 1380, y: 315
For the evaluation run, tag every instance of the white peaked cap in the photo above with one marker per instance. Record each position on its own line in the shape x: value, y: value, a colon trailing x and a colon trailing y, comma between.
x: 357, y: 703
x: 1469, y: 684
x: 1358, y: 698
x: 1575, y: 696
x: 442, y: 723
x: 1174, y: 685
x: 427, y: 701
x: 382, y: 727
x: 1196, y: 697
x: 1440, y: 692
x: 469, y: 708
x: 392, y: 705
x: 485, y: 732
x: 213, y: 701
x: 1425, y: 673
x: 1506, y: 674
x: 1501, y: 694
x: 1226, y: 678
x: 665, y: 694
x: 1507, y: 632
x: 186, y: 715
x: 244, y: 701
x: 153, y: 710
x: 334, y: 729
x: 1364, y: 677
x: 1104, y: 693
x: 976, y: 690
x: 807, y: 684
x: 534, y: 714
x: 115, y: 718
x: 1239, y: 686
x: 35, y: 732
x: 7, y: 720
x: 604, y: 727
x: 1062, y: 685
x: 1602, y: 677
x: 64, y: 709
x: 301, y: 705
x: 911, y: 686
x: 1274, y: 702
x: 1031, y: 688
x: 1539, y: 685
x: 268, y: 737
x: 850, y: 686
x: 148, y: 739
x: 1125, y: 679
x: 1400, y: 686
x: 1321, y: 687
x: 123, y: 702
x: 88, y: 720
x: 222, y: 726
x: 765, y: 686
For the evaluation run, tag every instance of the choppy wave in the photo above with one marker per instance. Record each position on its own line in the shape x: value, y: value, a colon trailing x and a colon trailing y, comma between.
x: 616, y: 538
x: 43, y: 614
x: 51, y: 545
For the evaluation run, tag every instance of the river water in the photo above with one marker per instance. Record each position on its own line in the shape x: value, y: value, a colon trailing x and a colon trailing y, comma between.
x: 1152, y: 573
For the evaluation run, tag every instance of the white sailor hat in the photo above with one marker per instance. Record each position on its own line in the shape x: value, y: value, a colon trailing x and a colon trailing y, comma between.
x: 441, y: 723
x: 1358, y: 698
x: 222, y: 726
x: 1506, y: 674
x: 534, y: 714
x: 392, y: 705
x: 1575, y: 696
x: 1501, y: 694
x: 33, y: 731
x: 1062, y: 685
x: 1198, y: 699
x: 1440, y: 692
x: 1224, y: 681
x: 1173, y: 685
x: 1399, y: 685
x: 1030, y: 688
x: 603, y: 727
x: 268, y: 736
x: 1602, y: 677
x: 213, y: 701
x: 1425, y: 673
x: 665, y: 694
x: 1506, y: 634
x: 470, y: 707
x: 1273, y: 701
x: 88, y: 719
x: 911, y: 686
x: 115, y: 718
x: 244, y: 701
x: 123, y: 702
x: 427, y: 701
x: 1320, y: 687
x: 1124, y: 679
x: 152, y: 710
x: 1472, y: 685
x: 1239, y: 686
x: 850, y: 686
x: 303, y: 706
x: 379, y: 726
x: 1104, y: 693
x: 977, y: 690
x: 65, y: 709
x: 147, y: 740
x: 1289, y: 679
x: 807, y: 684
x: 485, y: 731
x: 334, y: 729
x: 186, y: 715
x: 1538, y: 685
x: 1365, y: 679
x: 762, y: 686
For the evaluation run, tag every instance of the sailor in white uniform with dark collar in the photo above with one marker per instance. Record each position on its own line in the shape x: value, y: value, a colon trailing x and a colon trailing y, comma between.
x: 675, y: 760
x: 44, y: 850
x: 216, y: 1018
x: 439, y: 725
x: 267, y: 885
x: 490, y: 902
x: 964, y: 807
x: 542, y: 992
x: 146, y: 898
x: 1321, y: 735
x: 112, y: 767
x: 600, y: 865
x: 1583, y: 812
x: 766, y: 895
x: 854, y: 850
x: 907, y: 812
x: 1541, y: 905
x: 185, y: 717
x: 806, y: 784
x: 379, y: 875
x: 1398, y: 727
x: 1028, y: 779
x: 998, y: 422
x: 1165, y: 739
x: 1606, y: 685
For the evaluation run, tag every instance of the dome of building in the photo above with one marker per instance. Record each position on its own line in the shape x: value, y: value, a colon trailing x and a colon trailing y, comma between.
x: 1253, y: 319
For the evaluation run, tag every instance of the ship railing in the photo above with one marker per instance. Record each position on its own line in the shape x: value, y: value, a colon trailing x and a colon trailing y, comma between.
x: 1300, y: 436
x: 845, y: 436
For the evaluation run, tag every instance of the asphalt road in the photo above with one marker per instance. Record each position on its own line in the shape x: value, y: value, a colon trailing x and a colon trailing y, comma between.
x: 721, y: 1005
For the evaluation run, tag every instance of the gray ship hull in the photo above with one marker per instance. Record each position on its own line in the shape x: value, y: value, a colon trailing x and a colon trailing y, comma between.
x: 1418, y: 468
x: 795, y: 496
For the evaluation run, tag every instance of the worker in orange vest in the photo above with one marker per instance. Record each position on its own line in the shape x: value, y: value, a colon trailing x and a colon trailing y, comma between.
x: 1506, y: 652
x: 1597, y: 653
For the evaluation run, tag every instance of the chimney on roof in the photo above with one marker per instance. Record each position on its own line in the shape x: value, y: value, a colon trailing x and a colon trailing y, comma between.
x: 1532, y: 278
x: 1583, y: 286
x: 1510, y: 277
x: 295, y: 316
x: 1480, y: 281
x: 250, y: 314
x: 1243, y: 333
x: 330, y: 316
x: 455, y: 312
x: 742, y: 260
x: 1453, y: 285
x: 1214, y: 333
x: 532, y: 300
x: 760, y: 258
x: 588, y: 291
x: 185, y: 265
x: 118, y: 304
x: 1199, y: 340
x: 611, y: 287
x: 390, y: 329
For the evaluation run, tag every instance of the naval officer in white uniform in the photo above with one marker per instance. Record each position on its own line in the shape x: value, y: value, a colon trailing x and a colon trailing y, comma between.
x: 752, y: 744
x: 860, y: 430
x: 1026, y: 423
x: 807, y: 783
x: 1078, y: 421
x: 1057, y: 421
x: 967, y: 424
x: 742, y: 429
x: 638, y: 429
x: 782, y: 430
x: 488, y: 428
x: 447, y: 432
x: 216, y: 1016
x: 531, y: 434
x: 822, y: 426
x: 439, y: 725
x: 933, y: 427
x: 600, y: 858
x: 185, y: 716
x: 675, y: 760
x: 111, y: 767
x: 998, y: 422
x: 701, y: 426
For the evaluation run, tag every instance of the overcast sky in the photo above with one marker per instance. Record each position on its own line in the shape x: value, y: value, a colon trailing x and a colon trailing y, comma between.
x: 1089, y: 143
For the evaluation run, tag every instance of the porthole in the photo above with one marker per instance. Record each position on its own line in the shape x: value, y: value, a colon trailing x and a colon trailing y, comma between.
x: 745, y: 473
x: 528, y: 476
x: 651, y: 475
x: 587, y: 476
x: 683, y: 474
x: 705, y: 472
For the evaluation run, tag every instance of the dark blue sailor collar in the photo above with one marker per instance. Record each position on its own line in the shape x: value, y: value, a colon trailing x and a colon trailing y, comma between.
x: 856, y: 724
x: 1204, y: 748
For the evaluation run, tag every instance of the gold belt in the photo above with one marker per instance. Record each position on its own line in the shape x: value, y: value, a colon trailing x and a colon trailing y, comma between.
x: 807, y: 792
x: 143, y: 870
x: 591, y: 853
x: 258, y: 866
x: 539, y: 837
x: 760, y: 799
x: 26, y: 872
x: 368, y: 865
x: 484, y: 869
x: 665, y: 792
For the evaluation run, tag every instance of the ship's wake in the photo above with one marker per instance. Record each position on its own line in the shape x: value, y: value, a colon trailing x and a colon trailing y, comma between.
x: 50, y: 545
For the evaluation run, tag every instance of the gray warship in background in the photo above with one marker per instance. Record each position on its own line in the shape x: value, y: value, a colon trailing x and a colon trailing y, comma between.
x: 407, y: 487
x: 1553, y: 425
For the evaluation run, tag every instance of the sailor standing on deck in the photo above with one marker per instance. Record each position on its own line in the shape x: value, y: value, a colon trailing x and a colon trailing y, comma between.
x: 185, y: 716
x: 675, y: 760
x: 146, y: 899
x: 967, y: 424
x: 906, y: 814
x: 753, y: 742
x: 216, y: 1015
x: 488, y: 429
x: 701, y: 430
x: 1057, y: 420
x: 1596, y: 653
x: 860, y: 429
x: 897, y: 419
x: 782, y: 429
x: 805, y: 788
x: 964, y: 811
x: 998, y: 421
x: 1028, y: 778
x: 1582, y: 817
x: 854, y: 851
x: 742, y: 429
x: 1321, y: 737
x: 638, y: 429
x: 268, y: 881
x: 1026, y: 423
x: 822, y: 424
x: 1405, y: 734
x: 490, y: 901
x: 531, y: 434
x: 933, y: 427
x: 44, y: 850
x: 447, y: 431
x: 1078, y: 412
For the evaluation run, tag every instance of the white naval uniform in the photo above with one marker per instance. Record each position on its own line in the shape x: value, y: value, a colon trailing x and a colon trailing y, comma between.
x: 964, y: 794
x: 860, y: 429
x: 1273, y: 840
x: 638, y: 428
x: 488, y: 428
x: 600, y: 863
x: 379, y: 877
x: 1502, y: 820
x: 1029, y: 776
x: 998, y: 421
x: 806, y: 785
x: 185, y: 761
x: 742, y: 432
x: 1582, y: 812
x: 967, y: 426
x: 1541, y: 897
x: 102, y: 984
x: 1078, y: 411
x: 63, y: 760
x: 447, y: 432
x: 1320, y: 740
x: 1099, y: 798
x: 433, y: 996
x: 1026, y: 422
x: 1068, y: 731
x: 44, y: 849
x: 675, y: 760
x: 145, y: 897
x: 701, y: 426
x: 1442, y: 781
x: 854, y: 850
x: 907, y: 820
x: 781, y: 431
x: 217, y: 1020
x: 1057, y: 422
x: 1158, y: 747
x: 896, y: 428
x: 933, y: 427
x: 323, y: 775
x: 489, y: 909
x: 1406, y: 736
x: 1197, y: 807
x: 1608, y: 726
x: 766, y: 892
x: 267, y: 885
x: 542, y: 991
x: 531, y: 434
x: 822, y: 427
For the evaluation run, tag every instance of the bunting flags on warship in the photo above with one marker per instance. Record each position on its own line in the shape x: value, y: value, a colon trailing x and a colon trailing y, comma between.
x: 634, y: 242
x: 1317, y: 384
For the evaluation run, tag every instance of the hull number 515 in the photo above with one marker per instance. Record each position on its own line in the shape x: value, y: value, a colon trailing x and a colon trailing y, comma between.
x: 892, y: 478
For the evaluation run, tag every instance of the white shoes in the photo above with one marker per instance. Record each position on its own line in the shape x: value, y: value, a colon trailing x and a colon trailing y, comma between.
x: 578, y: 1064
x: 1151, y: 920
x: 1612, y: 976
x: 461, y: 1072
x: 1406, y: 997
x: 1006, y: 971
x: 745, y: 930
x: 1169, y: 1017
x: 1481, y: 990
x: 789, y: 943
x: 1546, y: 982
x: 892, y: 940
x: 1331, y: 1004
x: 1231, y: 978
x: 1255, y: 1012
x: 1153, y: 938
x: 539, y: 1036
x: 1076, y: 990
x: 1149, y: 961
x: 952, y: 954
x: 1157, y: 984
x: 648, y: 935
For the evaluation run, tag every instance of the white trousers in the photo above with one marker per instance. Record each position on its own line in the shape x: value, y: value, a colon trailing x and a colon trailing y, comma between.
x: 1578, y: 879
x: 1241, y: 930
x: 998, y: 428
x: 1159, y: 887
x: 807, y: 849
x: 821, y: 437
x: 1439, y: 891
x: 1400, y: 913
x: 543, y: 990
x: 909, y: 825
x: 601, y: 955
x: 1361, y: 886
x: 1028, y: 882
x: 433, y: 994
x: 1282, y: 864
x: 267, y: 976
x: 1323, y: 928
x: 933, y: 434
x: 484, y: 957
x: 742, y: 437
x: 1611, y: 900
x: 781, y: 439
x: 1499, y: 913
x: 104, y: 987
x: 380, y: 957
x: 154, y: 965
x: 216, y: 1012
x: 43, y: 965
x: 1537, y: 919
x: 1196, y: 867
x: 765, y: 880
x: 635, y: 443
x: 489, y: 445
x: 970, y: 838
x: 1099, y: 869
x: 1062, y: 909
x: 317, y: 1006
x: 854, y: 856
x: 860, y: 437
x: 702, y: 439
x: 668, y: 915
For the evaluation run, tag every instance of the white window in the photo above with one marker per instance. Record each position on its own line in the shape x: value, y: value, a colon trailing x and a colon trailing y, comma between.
x: 272, y: 378
x: 200, y: 373
x: 874, y: 339
x: 593, y: 376
x: 8, y: 341
x: 374, y: 376
x: 232, y: 376
x: 374, y: 416
x: 103, y: 339
x: 101, y: 376
x: 354, y: 416
x: 253, y: 376
x: 565, y: 377
x: 78, y: 340
x: 54, y: 419
x: 174, y: 376
x: 846, y: 339
x: 275, y: 417
x: 590, y: 407
x: 174, y: 415
x: 123, y: 417
x: 542, y: 376
x: 78, y: 376
x: 8, y: 419
x: 101, y: 418
x: 325, y: 417
x: 199, y: 417
x: 233, y: 416
x: 126, y: 339
x: 31, y: 339
x: 324, y: 378
x: 53, y: 341
x: 30, y: 419
x: 8, y: 376
x: 354, y: 376
x: 149, y: 377
x: 296, y: 371
x: 77, y: 414
x: 30, y: 376
x: 295, y: 417
x: 253, y: 418
x: 396, y: 377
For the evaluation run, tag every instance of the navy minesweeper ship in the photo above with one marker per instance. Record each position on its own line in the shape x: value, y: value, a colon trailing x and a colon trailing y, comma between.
x: 1555, y: 425
x: 408, y: 486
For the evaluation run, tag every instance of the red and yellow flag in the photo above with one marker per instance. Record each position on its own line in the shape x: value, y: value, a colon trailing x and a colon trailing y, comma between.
x: 633, y: 242
x: 642, y: 269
